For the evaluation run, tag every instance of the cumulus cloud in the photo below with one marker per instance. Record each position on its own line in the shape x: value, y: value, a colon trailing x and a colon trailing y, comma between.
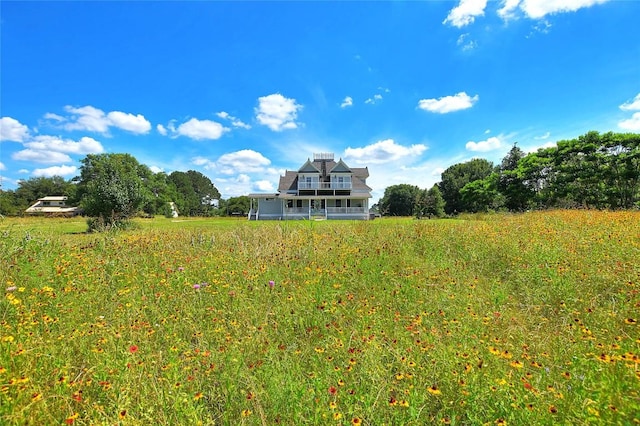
x: 508, y: 9
x: 129, y: 122
x: 447, y: 104
x: 43, y: 157
x: 85, y: 145
x: 200, y: 129
x: 55, y: 171
x: 235, y: 122
x: 161, y: 129
x: 538, y: 9
x: 347, y: 102
x: 2, y: 166
x: 244, y: 161
x: 277, y: 112
x: 384, y: 151
x: 465, y: 12
x: 12, y: 130
x: 633, y: 105
x: 264, y: 186
x: 632, y: 124
x: 93, y: 119
x: 490, y: 144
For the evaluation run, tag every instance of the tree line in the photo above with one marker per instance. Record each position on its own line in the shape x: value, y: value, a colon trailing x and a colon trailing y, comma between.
x: 117, y: 186
x: 597, y: 171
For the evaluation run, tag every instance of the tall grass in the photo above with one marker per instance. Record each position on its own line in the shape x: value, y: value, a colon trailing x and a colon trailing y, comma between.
x: 509, y: 319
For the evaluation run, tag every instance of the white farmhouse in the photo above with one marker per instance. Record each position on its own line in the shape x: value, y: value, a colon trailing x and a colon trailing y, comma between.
x: 320, y: 189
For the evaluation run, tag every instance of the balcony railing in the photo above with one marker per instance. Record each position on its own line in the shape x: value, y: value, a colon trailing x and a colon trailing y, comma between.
x: 324, y: 185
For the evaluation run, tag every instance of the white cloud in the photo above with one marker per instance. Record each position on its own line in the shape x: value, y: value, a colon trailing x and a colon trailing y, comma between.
x: 129, y: 122
x: 161, y: 129
x: 12, y: 130
x: 85, y: 145
x: 244, y: 161
x: 633, y: 105
x: 384, y: 151
x: 235, y: 122
x: 508, y: 9
x: 631, y: 124
x: 156, y: 169
x: 200, y: 129
x: 41, y: 156
x: 2, y: 166
x: 87, y: 118
x: 277, y: 112
x: 536, y: 9
x: 447, y: 104
x: 347, y: 102
x: 465, y: 43
x: 490, y: 144
x: 55, y: 171
x: 542, y: 137
x: 264, y: 186
x: 465, y: 13
x: 95, y: 120
x: 373, y: 100
x: 55, y: 117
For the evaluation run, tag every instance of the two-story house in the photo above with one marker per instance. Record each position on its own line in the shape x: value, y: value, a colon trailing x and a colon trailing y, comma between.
x: 320, y: 189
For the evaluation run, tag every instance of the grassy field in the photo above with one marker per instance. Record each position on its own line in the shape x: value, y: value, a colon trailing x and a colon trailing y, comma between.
x: 497, y: 319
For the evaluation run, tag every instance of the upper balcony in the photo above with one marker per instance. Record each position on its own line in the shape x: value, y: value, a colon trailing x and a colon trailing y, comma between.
x: 331, y: 186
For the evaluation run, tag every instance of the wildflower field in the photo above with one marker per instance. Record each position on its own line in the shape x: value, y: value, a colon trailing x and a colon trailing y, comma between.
x: 496, y: 319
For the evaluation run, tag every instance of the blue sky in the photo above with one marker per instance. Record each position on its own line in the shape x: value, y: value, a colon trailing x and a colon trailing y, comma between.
x: 242, y: 91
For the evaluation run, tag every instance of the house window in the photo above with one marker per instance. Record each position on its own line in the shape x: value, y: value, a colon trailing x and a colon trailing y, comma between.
x: 338, y: 203
x: 289, y: 204
x: 299, y: 203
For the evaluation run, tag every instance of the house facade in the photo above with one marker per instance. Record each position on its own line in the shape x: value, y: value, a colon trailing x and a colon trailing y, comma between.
x: 320, y: 189
x: 53, y: 206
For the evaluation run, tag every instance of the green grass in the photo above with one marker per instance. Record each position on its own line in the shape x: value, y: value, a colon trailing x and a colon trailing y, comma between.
x: 516, y: 319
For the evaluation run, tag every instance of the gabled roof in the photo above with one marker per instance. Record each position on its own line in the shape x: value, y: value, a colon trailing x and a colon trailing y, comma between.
x: 309, y: 167
x: 340, y: 167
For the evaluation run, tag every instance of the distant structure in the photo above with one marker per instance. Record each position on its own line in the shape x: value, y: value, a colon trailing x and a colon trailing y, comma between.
x: 320, y: 189
x: 173, y: 209
x: 53, y: 206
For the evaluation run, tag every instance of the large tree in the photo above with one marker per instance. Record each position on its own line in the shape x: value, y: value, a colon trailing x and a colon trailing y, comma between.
x: 510, y: 183
x: 429, y: 203
x: 111, y: 188
x: 195, y: 193
x: 456, y: 177
x: 399, y: 200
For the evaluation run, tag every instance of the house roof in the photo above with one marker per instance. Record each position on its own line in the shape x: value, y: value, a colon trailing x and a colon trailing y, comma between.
x: 289, y: 181
x: 53, y: 198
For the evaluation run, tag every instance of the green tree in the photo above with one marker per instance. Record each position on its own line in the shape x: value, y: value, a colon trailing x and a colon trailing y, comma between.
x: 111, y: 188
x: 511, y: 183
x: 8, y: 204
x: 429, y: 203
x: 399, y: 200
x: 482, y: 195
x: 195, y: 193
x: 162, y: 191
x: 457, y: 176
x: 238, y: 205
